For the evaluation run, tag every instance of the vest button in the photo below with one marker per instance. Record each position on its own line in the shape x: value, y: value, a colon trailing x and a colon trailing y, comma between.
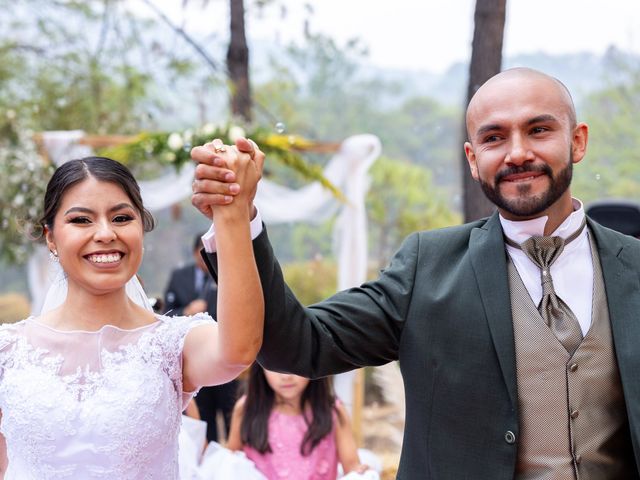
x: 574, y: 414
x: 510, y: 437
x: 573, y: 367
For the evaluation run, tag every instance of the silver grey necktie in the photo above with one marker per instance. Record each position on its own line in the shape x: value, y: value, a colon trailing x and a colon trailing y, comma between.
x: 543, y: 251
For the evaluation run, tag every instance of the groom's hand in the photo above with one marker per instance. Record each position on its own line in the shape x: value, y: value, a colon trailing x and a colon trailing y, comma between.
x: 214, y: 182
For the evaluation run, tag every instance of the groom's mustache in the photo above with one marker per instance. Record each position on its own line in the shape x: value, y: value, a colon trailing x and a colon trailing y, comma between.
x: 541, y: 168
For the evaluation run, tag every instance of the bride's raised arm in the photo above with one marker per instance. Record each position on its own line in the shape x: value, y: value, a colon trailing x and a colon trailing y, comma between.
x: 215, y: 354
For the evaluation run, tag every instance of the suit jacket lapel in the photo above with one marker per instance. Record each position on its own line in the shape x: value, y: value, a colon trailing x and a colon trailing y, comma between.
x: 488, y: 258
x: 620, y: 272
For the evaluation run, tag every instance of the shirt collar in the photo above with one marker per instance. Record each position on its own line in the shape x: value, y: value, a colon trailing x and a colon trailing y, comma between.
x: 520, y: 231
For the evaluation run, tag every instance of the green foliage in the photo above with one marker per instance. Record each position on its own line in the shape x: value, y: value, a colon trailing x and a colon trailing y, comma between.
x: 320, y: 90
x: 611, y: 168
x: 311, y: 281
x: 174, y: 149
x: 315, y: 89
x: 69, y: 65
x: 402, y: 199
x: 424, y: 132
x: 312, y: 240
x: 23, y: 177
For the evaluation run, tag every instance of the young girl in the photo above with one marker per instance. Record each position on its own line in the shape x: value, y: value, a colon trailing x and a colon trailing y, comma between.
x: 94, y: 387
x: 293, y: 427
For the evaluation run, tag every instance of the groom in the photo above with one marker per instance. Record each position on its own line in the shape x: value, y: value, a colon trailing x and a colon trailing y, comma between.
x: 517, y: 335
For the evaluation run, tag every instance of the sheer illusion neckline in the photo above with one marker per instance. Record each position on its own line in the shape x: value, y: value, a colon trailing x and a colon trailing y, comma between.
x: 34, y: 321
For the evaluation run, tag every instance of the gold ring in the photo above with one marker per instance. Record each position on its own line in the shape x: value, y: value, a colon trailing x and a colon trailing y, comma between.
x: 218, y: 146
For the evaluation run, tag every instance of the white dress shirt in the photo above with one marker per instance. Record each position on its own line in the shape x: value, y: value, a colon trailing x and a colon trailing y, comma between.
x: 572, y: 272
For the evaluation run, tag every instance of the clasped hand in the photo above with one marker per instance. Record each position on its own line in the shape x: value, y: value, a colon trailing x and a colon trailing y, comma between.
x: 226, y: 177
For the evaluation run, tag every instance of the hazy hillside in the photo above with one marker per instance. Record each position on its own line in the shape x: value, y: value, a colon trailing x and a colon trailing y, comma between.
x: 187, y: 101
x: 583, y: 73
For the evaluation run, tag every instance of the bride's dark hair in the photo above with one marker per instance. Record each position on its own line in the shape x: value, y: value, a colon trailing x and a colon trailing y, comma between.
x: 318, y: 404
x: 102, y: 169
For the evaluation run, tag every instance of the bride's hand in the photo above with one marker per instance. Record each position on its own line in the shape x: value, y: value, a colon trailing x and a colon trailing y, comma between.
x: 216, y: 179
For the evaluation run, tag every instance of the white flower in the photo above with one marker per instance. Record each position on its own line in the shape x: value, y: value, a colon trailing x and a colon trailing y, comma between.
x: 148, y: 147
x: 236, y: 132
x: 18, y: 200
x: 11, y: 114
x: 174, y: 142
x: 208, y: 129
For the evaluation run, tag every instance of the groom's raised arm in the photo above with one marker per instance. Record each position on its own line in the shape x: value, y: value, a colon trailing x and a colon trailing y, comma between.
x: 352, y: 329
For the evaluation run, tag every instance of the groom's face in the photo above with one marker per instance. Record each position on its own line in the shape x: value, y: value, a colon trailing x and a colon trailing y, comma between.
x: 521, y: 148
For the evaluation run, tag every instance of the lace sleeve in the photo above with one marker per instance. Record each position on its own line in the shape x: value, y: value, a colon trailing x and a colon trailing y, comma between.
x: 175, y: 330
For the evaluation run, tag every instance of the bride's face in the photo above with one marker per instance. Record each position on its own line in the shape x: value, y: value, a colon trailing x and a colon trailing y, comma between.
x: 98, y: 236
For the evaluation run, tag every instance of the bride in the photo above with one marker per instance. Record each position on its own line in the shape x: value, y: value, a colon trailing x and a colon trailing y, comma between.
x: 94, y: 387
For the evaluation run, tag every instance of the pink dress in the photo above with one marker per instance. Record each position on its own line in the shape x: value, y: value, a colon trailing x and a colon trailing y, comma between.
x: 285, y: 461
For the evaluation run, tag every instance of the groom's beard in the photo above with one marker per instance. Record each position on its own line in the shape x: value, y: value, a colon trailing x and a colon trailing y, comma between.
x: 526, y: 205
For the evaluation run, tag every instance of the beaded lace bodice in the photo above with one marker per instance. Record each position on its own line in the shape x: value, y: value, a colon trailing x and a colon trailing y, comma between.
x: 104, y: 404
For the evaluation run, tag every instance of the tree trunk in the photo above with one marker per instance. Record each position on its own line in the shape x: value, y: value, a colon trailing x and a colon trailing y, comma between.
x: 238, y: 63
x: 486, y: 61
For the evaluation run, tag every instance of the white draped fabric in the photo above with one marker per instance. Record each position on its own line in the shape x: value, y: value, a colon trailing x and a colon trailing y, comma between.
x: 63, y: 145
x: 171, y: 188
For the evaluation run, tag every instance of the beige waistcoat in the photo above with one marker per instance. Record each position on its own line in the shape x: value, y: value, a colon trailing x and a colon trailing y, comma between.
x: 573, y: 422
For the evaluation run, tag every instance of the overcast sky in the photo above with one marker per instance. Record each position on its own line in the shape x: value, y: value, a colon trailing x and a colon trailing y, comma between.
x: 439, y: 33
x: 429, y: 34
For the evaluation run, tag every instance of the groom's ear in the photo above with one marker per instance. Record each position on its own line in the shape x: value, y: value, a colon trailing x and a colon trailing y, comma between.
x: 471, y: 159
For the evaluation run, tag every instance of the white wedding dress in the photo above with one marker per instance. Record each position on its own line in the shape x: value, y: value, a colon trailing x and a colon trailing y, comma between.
x: 92, y: 405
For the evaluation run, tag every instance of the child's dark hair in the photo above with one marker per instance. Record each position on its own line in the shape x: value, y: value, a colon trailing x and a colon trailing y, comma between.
x: 318, y: 402
x: 102, y: 169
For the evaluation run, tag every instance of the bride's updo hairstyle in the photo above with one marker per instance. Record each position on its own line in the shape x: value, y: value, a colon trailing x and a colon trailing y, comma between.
x: 102, y: 169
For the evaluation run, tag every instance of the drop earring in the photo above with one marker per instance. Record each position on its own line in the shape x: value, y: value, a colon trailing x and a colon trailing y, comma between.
x: 53, y: 255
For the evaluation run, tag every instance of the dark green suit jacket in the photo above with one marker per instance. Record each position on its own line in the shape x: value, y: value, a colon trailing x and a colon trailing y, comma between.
x: 442, y: 309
